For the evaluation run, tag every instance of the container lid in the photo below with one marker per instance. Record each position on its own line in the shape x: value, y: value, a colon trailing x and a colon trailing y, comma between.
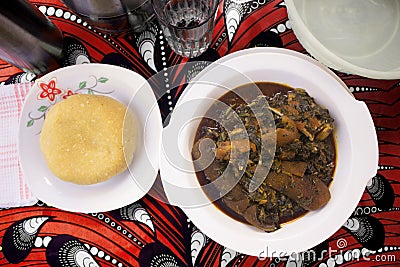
x: 357, y: 37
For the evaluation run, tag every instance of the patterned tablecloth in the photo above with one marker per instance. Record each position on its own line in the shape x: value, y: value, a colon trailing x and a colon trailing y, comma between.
x: 151, y: 233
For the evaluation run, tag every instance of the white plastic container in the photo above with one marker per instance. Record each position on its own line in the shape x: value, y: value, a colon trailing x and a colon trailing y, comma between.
x: 354, y: 36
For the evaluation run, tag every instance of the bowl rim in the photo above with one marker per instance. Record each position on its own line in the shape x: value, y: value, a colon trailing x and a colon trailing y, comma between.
x: 222, y: 235
x: 326, y: 56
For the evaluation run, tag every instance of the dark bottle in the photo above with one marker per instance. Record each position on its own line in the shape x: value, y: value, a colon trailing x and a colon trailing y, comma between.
x: 28, y: 39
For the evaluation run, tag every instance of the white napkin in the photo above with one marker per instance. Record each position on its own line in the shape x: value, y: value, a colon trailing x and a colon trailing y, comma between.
x: 13, y: 190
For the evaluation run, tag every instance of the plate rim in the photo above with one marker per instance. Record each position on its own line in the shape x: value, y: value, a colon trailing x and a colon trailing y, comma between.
x: 102, y: 205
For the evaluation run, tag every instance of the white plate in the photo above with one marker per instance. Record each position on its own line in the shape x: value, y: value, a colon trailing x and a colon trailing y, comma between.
x: 357, y: 150
x: 121, y: 84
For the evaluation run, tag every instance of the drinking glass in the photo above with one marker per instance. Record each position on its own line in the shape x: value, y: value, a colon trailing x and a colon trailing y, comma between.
x: 113, y: 16
x: 187, y: 24
x: 140, y: 13
x: 28, y: 39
